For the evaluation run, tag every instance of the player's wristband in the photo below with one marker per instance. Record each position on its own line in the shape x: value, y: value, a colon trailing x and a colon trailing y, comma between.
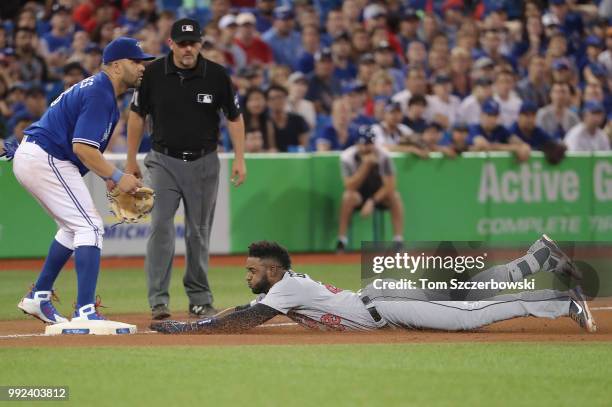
x: 117, y: 174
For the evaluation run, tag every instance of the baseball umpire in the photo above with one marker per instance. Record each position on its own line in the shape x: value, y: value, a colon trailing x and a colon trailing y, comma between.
x: 322, y: 306
x: 183, y: 93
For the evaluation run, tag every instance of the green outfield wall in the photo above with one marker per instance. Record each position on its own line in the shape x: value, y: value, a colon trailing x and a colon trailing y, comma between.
x: 294, y: 199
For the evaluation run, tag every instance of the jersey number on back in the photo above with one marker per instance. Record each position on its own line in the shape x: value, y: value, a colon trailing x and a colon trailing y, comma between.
x: 83, y: 84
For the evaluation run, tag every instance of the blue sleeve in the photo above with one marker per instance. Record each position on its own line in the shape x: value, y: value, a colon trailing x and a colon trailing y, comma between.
x: 502, y: 135
x: 95, y: 119
x: 474, y: 132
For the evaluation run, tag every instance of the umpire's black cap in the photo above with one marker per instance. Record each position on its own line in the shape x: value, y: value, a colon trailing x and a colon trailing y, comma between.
x: 186, y: 29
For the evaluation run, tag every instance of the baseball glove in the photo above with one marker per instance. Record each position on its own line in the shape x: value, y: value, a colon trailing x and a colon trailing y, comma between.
x: 131, y: 208
x: 554, y: 152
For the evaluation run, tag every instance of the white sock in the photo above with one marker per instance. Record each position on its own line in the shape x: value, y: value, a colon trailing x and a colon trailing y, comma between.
x: 343, y: 239
x: 398, y: 238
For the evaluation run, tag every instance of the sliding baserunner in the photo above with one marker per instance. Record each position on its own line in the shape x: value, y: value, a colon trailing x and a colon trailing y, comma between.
x: 322, y: 306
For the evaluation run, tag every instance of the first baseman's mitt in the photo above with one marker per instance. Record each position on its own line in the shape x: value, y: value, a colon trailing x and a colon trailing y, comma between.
x: 131, y: 208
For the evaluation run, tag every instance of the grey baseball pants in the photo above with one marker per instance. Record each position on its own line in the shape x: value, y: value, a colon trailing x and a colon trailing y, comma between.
x: 422, y: 309
x: 196, y: 183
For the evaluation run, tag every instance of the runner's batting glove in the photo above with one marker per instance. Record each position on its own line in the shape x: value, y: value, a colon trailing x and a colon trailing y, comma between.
x: 178, y: 327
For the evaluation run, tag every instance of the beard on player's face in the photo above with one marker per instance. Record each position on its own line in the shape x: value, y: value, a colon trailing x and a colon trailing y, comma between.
x: 262, y: 286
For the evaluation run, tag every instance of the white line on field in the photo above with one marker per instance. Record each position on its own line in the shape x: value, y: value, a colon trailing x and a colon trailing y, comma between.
x: 17, y: 336
x: 601, y: 308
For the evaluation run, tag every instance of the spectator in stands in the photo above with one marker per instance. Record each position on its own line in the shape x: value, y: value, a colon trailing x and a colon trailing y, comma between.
x: 605, y: 58
x: 56, y: 44
x: 534, y: 87
x: 35, y: 102
x: 484, y: 67
x: 263, y: 14
x: 504, y: 94
x: 360, y: 43
x: 556, y: 119
x: 291, y: 130
x: 392, y: 135
x: 442, y: 106
x: 103, y: 33
x: 21, y: 121
x: 489, y: 135
x: 334, y: 26
x: 432, y: 140
x: 416, y: 55
x: 527, y: 130
x: 256, y: 117
x: 408, y: 28
x: 337, y: 135
x: 415, y: 84
x: 384, y: 56
x: 235, y: 55
x: 296, y: 102
x: 415, y: 117
x: 344, y: 70
x: 356, y: 95
x: 253, y: 141
x: 562, y: 71
x: 587, y: 135
x: 380, y: 90
x: 31, y: 66
x: 80, y: 41
x: 279, y: 75
x: 93, y: 59
x: 322, y: 86
x: 458, y: 140
x: 351, y: 12
x: 256, y: 50
x: 469, y: 110
x: 369, y: 182
x: 131, y: 20
x: 460, y: 66
x: 311, y: 43
x: 366, y: 68
x: 282, y: 38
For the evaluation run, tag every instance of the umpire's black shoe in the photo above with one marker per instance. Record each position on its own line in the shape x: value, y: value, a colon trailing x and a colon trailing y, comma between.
x: 201, y: 311
x: 340, y: 247
x: 160, y: 311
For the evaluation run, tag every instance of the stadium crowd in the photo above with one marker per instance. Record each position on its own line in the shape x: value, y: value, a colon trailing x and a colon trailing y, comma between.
x: 423, y: 75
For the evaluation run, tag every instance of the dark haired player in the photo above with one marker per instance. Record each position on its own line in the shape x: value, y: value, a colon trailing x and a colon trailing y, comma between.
x: 317, y: 305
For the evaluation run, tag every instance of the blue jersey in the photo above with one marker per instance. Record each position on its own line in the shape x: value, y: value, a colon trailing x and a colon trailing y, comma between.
x: 86, y: 113
x: 498, y: 135
x: 537, y: 139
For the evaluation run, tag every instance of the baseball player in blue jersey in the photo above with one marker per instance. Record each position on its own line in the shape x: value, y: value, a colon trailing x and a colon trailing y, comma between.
x: 66, y: 143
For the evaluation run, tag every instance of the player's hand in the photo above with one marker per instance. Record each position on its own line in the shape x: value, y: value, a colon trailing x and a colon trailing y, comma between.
x: 129, y: 183
x: 132, y: 167
x: 110, y: 185
x: 171, y: 327
x: 238, y: 172
x: 367, y: 208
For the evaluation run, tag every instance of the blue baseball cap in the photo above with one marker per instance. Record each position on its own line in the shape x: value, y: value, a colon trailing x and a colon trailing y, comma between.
x: 560, y: 63
x: 557, y: 2
x: 490, y: 107
x: 124, y: 48
x: 593, y: 106
x: 283, y: 13
x: 366, y: 135
x: 528, y: 107
x: 594, y: 41
x: 597, y: 69
x: 393, y: 107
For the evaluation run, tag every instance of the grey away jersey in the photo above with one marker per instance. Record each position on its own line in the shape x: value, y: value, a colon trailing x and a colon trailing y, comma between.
x: 317, y: 305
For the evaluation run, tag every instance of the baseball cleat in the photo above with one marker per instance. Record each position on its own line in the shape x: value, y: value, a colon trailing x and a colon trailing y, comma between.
x: 201, y: 311
x: 557, y: 262
x: 39, y: 305
x: 579, y: 311
x: 88, y: 312
x: 160, y: 311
